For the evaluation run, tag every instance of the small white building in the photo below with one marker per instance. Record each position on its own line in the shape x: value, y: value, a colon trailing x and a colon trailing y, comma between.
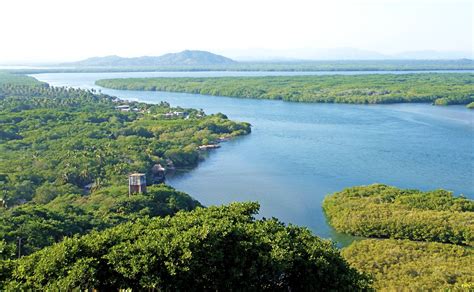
x: 136, y: 183
x: 123, y: 108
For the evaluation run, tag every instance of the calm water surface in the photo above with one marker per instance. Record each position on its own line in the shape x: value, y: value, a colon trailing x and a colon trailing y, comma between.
x: 300, y: 152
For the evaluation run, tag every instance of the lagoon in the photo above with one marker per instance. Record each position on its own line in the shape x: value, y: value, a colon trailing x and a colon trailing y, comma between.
x: 300, y: 152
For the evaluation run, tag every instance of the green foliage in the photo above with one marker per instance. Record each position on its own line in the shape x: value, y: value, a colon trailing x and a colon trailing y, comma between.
x: 16, y: 79
x: 55, y: 141
x: 470, y: 105
x: 218, y: 248
x: 403, y: 265
x: 377, y: 88
x: 387, y: 212
x: 42, y: 225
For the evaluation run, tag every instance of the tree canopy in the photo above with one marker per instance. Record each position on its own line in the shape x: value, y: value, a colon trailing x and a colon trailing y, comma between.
x: 425, y: 224
x: 40, y: 225
x: 440, y: 89
x: 387, y: 212
x: 216, y: 248
x: 56, y: 140
x: 65, y: 155
x: 399, y: 265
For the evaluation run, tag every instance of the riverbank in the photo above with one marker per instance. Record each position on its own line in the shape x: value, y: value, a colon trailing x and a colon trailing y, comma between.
x: 439, y: 89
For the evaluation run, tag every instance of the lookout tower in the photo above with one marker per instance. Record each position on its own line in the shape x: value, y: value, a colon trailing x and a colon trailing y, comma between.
x: 136, y: 183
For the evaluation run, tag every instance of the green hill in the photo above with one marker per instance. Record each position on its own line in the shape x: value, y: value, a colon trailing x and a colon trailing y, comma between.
x: 184, y: 58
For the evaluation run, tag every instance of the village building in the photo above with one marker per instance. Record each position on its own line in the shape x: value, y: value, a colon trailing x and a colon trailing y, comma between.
x: 158, y: 173
x: 123, y: 108
x: 3, y: 203
x: 209, y: 146
x: 136, y: 183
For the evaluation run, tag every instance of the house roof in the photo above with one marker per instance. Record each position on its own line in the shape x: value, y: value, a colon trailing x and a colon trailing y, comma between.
x: 137, y: 174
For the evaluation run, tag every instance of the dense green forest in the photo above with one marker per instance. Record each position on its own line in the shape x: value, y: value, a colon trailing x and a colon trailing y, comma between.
x: 440, y: 89
x: 388, y: 212
x: 217, y: 248
x: 404, y: 265
x: 17, y: 79
x: 29, y: 227
x: 57, y: 140
x: 57, y: 235
x: 433, y: 220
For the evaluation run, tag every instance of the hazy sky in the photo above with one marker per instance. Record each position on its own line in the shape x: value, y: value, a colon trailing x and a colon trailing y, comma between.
x: 57, y: 30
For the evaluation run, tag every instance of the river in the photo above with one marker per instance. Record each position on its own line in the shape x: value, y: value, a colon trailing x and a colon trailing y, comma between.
x: 300, y: 152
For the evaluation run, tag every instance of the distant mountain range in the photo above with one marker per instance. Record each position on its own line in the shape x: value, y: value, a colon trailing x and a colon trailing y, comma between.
x: 184, y: 58
x: 204, y: 58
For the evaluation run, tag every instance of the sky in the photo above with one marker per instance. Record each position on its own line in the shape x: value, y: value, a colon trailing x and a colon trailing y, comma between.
x: 59, y: 30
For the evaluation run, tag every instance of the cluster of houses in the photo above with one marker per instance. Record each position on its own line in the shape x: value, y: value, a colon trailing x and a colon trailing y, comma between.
x: 171, y: 114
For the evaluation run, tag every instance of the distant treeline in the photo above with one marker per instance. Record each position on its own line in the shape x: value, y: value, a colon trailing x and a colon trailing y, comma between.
x: 440, y: 89
x: 18, y: 79
x: 295, y: 66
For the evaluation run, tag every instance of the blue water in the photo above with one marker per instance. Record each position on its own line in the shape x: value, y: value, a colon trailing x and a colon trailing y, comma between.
x: 300, y: 152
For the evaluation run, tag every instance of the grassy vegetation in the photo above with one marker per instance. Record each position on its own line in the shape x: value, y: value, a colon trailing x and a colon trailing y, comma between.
x: 402, y: 265
x: 387, y: 212
x: 440, y: 89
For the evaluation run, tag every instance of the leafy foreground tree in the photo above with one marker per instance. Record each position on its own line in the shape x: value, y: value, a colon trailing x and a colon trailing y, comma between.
x: 217, y: 248
x: 36, y: 226
x: 421, y: 266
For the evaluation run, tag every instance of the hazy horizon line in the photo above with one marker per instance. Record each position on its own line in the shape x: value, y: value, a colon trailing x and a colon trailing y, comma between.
x: 289, y: 55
